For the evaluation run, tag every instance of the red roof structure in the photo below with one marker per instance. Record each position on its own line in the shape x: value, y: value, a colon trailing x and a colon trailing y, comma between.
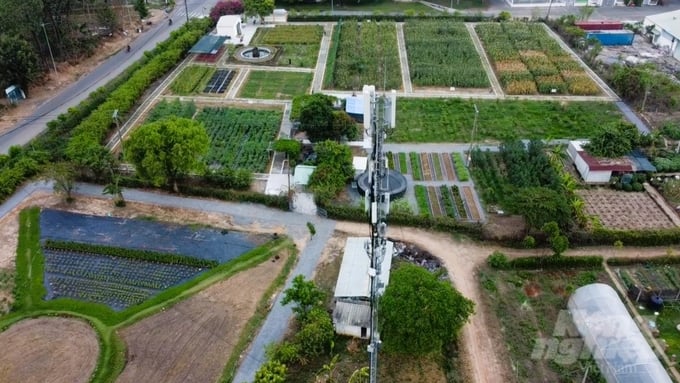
x: 622, y: 164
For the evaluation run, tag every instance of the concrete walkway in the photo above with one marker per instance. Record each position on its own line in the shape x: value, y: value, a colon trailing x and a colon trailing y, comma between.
x: 324, y: 47
x: 486, y: 63
x: 403, y: 59
x: 244, y: 214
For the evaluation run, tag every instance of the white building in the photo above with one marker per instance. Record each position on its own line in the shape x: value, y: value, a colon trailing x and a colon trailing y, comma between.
x: 597, y: 170
x: 277, y: 16
x: 352, y: 312
x: 229, y: 25
x: 666, y: 31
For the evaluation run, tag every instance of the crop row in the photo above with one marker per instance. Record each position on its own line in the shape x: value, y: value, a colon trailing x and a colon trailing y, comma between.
x: 442, y: 200
x: 190, y: 79
x: 116, y: 270
x: 138, y: 254
x: 430, y: 166
x: 117, y: 296
x: 367, y: 54
x: 239, y: 138
x: 528, y: 61
x: 441, y: 53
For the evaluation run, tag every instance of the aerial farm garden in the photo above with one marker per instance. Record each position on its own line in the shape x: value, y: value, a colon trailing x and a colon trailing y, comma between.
x: 298, y: 44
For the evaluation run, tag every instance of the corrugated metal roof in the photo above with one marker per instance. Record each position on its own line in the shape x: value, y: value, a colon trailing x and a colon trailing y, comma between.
x: 352, y: 314
x: 208, y: 44
x: 353, y: 279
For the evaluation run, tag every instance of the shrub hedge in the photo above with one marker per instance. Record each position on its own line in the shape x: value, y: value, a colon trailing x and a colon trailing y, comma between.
x: 661, y: 237
x: 655, y: 261
x: 308, y: 17
x: 138, y: 254
x: 498, y: 260
x: 278, y: 202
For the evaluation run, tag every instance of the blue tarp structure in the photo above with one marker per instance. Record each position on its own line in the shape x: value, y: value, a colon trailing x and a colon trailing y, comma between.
x: 208, y: 44
x: 640, y: 162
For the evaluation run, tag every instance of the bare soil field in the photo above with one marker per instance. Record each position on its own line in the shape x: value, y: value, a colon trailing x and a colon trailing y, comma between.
x: 52, y: 350
x: 625, y: 210
x: 192, y: 341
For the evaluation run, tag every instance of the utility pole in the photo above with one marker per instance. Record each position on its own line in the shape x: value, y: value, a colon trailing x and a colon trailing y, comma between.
x: 378, y: 203
x: 186, y: 8
x: 120, y: 135
x: 49, y: 48
x: 547, y: 16
x: 472, y: 135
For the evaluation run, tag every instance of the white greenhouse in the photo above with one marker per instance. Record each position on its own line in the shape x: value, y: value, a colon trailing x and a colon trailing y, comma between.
x: 613, y: 338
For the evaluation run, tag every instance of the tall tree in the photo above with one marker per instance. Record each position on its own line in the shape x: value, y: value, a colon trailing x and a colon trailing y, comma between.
x: 420, y: 314
x: 305, y: 295
x: 540, y: 205
x: 165, y: 150
x: 18, y: 62
x: 142, y: 9
x: 260, y: 8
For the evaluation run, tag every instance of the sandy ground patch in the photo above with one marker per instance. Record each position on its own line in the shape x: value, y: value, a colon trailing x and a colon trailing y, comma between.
x: 192, y: 341
x: 48, y: 350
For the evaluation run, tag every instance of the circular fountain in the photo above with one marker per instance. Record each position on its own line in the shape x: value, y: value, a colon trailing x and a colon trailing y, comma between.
x: 255, y: 54
x: 394, y: 184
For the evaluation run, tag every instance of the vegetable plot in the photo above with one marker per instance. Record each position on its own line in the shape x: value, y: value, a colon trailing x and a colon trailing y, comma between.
x: 441, y: 53
x: 171, y: 108
x: 191, y: 79
x: 239, y: 138
x: 367, y: 54
x: 528, y: 61
x: 114, y: 281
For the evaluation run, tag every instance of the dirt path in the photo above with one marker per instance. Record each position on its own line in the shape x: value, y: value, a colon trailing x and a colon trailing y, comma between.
x: 461, y: 259
x: 48, y: 350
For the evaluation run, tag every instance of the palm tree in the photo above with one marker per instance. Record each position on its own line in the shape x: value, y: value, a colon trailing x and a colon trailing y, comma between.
x: 113, y: 188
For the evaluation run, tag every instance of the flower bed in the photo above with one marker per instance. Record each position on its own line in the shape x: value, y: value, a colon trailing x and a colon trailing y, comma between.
x: 528, y: 61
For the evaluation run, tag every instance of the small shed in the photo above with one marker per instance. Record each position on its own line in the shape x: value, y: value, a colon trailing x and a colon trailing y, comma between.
x: 612, y: 337
x: 209, y: 44
x: 352, y: 312
x: 302, y: 174
x: 229, y: 26
x: 597, y: 170
x: 14, y: 94
x: 360, y: 164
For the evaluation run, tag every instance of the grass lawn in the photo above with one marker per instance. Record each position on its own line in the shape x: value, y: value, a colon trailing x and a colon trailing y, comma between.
x: 298, y: 44
x: 276, y: 85
x: 381, y: 7
x: 451, y: 120
x: 527, y: 305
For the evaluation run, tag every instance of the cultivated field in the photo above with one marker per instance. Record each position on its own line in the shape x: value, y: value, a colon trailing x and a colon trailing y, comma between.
x: 299, y: 44
x: 48, y: 349
x: 275, y: 85
x: 192, y: 341
x: 625, y: 210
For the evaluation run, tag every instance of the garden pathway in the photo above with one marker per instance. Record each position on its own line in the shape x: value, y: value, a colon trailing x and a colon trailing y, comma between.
x: 320, y: 70
x: 403, y: 60
x: 495, y: 85
x: 237, y: 82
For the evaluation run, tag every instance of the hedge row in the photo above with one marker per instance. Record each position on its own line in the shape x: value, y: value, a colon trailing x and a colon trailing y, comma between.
x: 663, y: 237
x: 655, y: 261
x: 23, y: 163
x: 499, y: 260
x: 85, y: 147
x: 138, y: 254
x: 445, y: 224
x: 308, y: 17
x: 274, y: 201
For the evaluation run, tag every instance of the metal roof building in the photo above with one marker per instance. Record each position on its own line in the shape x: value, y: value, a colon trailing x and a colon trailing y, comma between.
x: 352, y: 312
